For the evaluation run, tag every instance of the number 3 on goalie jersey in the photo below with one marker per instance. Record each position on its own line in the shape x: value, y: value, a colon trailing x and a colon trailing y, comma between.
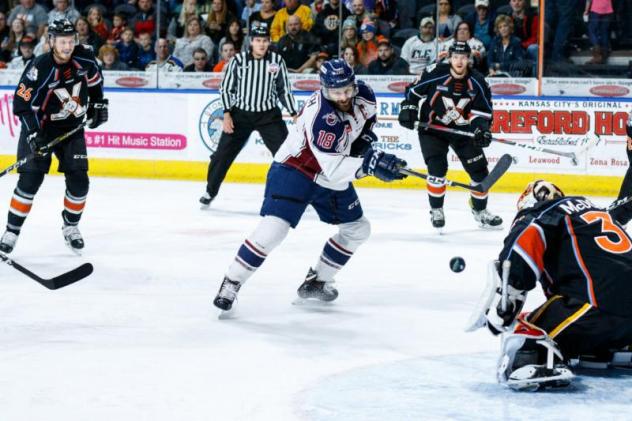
x: 623, y: 244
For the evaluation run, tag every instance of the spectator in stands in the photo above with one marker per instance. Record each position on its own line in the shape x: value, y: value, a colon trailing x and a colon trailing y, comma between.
x: 5, y: 37
x: 86, y: 35
x: 558, y: 17
x: 188, y: 9
x: 387, y: 62
x: 249, y: 9
x: 227, y: 51
x: 387, y: 16
x: 63, y: 10
x: 464, y: 33
x: 128, y: 50
x: 146, y: 51
x: 234, y: 33
x: 33, y: 15
x: 420, y: 50
x: 367, y: 47
x: 599, y: 14
x: 217, y: 21
x: 119, y: 23
x: 349, y: 34
x: 506, y: 55
x: 292, y: 7
x: 359, y: 13
x: 265, y: 14
x: 193, y: 39
x: 26, y: 54
x: 482, y: 22
x: 145, y: 19
x: 526, y: 27
x: 350, y: 55
x: 321, y: 57
x: 164, y: 61
x: 97, y: 23
x: 109, y: 57
x: 327, y: 26
x: 42, y: 46
x: 298, y: 48
x: 447, y: 21
x: 200, y: 62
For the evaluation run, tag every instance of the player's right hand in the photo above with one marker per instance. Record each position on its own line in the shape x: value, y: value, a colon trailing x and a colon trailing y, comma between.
x: 408, y: 113
x: 227, y: 125
x: 482, y: 137
x: 37, y: 142
x: 384, y: 166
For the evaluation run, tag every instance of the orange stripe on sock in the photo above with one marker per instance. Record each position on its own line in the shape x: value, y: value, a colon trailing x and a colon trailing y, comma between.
x: 19, y: 206
x: 479, y: 195
x: 434, y: 189
x: 77, y: 207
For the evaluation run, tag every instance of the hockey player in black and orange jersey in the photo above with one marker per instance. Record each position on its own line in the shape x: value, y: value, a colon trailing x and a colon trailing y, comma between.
x: 583, y: 260
x: 54, y: 95
x: 455, y: 96
x: 623, y: 213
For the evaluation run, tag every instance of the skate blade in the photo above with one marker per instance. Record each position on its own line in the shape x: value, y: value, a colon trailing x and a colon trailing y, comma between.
x: 562, y: 378
x: 77, y: 252
x: 205, y: 207
x: 440, y: 231
x: 227, y: 314
x: 312, y: 302
x: 490, y: 227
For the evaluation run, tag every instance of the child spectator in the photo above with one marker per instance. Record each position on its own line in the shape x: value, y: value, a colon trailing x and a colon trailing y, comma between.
x: 109, y: 57
x: 367, y: 47
x: 119, y: 23
x: 227, y: 52
x: 146, y: 52
x: 193, y: 39
x: 599, y: 14
x: 128, y: 50
x: 200, y: 62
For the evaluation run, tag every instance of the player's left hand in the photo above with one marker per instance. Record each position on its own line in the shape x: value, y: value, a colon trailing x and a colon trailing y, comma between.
x: 408, y: 113
x: 98, y: 113
x: 37, y: 142
x: 384, y: 166
x: 482, y: 137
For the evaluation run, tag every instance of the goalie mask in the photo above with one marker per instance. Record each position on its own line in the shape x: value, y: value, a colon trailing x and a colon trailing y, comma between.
x: 538, y: 191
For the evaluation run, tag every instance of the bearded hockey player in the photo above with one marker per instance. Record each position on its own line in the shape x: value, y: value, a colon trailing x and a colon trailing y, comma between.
x: 329, y: 147
x: 454, y: 96
x: 583, y: 261
x: 55, y: 93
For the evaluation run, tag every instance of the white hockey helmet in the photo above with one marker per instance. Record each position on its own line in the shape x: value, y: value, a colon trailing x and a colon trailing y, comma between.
x: 538, y: 191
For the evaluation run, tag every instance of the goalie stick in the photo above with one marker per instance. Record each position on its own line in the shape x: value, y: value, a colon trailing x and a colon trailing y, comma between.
x: 498, y: 171
x: 620, y: 202
x: 57, y: 282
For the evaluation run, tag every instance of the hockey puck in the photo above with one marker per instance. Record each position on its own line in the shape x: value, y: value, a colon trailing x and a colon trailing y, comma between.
x: 457, y: 264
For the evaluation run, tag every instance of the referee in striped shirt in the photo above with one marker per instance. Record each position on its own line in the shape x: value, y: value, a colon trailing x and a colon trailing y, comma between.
x: 253, y: 84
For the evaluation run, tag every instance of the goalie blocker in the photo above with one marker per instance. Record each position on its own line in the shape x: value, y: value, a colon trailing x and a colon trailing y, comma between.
x: 583, y: 260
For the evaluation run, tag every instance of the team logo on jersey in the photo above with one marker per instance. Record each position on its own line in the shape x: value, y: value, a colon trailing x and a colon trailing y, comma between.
x: 454, y: 113
x: 273, y: 68
x: 331, y: 119
x: 32, y: 74
x: 210, y: 124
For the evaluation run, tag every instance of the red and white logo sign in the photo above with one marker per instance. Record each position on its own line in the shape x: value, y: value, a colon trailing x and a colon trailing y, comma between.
x: 398, y: 86
x: 507, y: 89
x: 212, y: 83
x: 307, y: 85
x: 132, y: 81
x: 609, y: 90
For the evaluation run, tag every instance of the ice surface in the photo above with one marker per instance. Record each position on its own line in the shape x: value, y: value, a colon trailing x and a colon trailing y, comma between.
x: 139, y: 339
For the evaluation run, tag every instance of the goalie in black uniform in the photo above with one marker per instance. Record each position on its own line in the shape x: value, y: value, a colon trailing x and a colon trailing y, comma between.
x: 457, y: 97
x: 55, y: 93
x: 583, y: 260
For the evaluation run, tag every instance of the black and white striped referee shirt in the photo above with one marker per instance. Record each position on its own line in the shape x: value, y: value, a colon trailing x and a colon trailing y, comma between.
x: 256, y: 84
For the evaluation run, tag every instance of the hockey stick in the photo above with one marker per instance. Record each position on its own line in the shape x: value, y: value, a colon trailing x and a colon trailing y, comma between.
x: 571, y: 155
x: 57, y: 282
x: 499, y: 169
x: 48, y: 147
x: 620, y: 202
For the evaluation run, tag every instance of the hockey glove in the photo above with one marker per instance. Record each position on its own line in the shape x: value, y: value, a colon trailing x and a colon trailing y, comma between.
x: 363, y: 143
x: 37, y: 142
x: 499, y: 320
x: 482, y: 135
x: 408, y: 113
x: 384, y: 166
x: 98, y: 113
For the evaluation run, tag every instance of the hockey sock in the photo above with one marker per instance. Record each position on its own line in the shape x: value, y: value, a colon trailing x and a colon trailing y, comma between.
x: 478, y: 201
x: 339, y: 248
x: 22, y: 200
x: 436, y: 194
x: 73, y: 208
x: 270, y: 232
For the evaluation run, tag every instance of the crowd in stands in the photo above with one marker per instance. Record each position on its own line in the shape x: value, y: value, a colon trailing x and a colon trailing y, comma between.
x: 384, y: 37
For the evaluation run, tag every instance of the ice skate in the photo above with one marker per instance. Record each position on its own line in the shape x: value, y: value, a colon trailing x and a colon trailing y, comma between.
x: 73, y: 238
x: 487, y: 220
x: 533, y: 377
x: 226, y: 296
x: 7, y: 242
x: 313, y: 290
x: 205, y: 201
x: 437, y: 217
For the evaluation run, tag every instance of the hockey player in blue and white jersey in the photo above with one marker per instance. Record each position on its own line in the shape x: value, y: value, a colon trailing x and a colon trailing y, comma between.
x: 329, y: 147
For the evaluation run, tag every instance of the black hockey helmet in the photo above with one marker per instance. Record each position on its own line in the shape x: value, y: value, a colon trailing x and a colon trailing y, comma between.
x: 460, y: 47
x: 260, y: 30
x: 61, y: 27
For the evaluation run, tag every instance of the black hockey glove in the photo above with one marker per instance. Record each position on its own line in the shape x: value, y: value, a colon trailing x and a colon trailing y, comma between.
x: 37, y: 142
x: 98, y: 113
x: 482, y: 135
x: 363, y: 143
x: 384, y: 166
x: 408, y: 113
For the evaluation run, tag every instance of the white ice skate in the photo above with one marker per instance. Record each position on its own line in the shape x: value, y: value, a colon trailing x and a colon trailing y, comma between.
x: 487, y: 220
x: 205, y: 201
x: 437, y: 217
x: 73, y: 238
x: 226, y: 298
x: 7, y: 242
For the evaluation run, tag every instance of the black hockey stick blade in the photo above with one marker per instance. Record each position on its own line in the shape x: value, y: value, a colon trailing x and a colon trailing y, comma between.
x: 57, y: 282
x: 439, y: 180
x: 498, y: 171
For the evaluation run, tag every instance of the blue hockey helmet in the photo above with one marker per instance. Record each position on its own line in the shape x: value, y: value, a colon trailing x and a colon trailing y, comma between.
x: 337, y: 80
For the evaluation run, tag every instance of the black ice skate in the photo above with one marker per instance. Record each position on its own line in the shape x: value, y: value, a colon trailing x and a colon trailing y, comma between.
x: 73, y: 238
x: 227, y: 294
x: 437, y: 217
x: 319, y: 290
x: 7, y: 242
x: 487, y: 220
x: 206, y: 200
